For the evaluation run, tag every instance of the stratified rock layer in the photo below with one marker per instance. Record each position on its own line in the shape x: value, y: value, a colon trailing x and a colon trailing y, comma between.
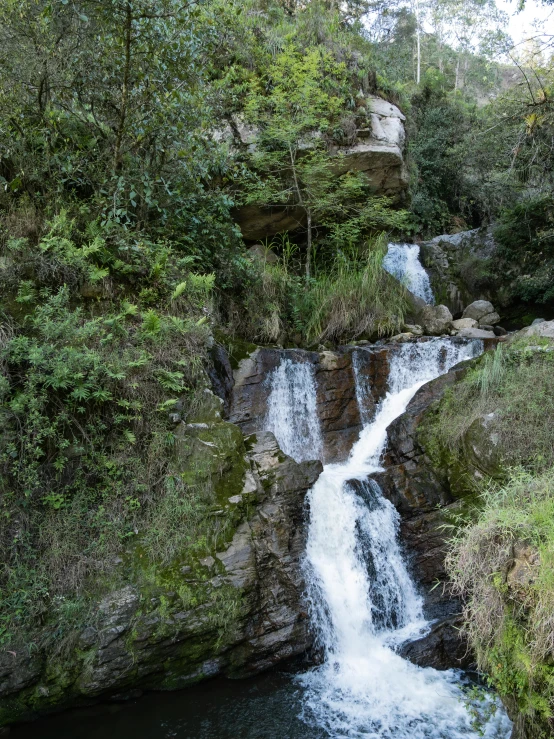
x: 235, y: 612
x: 377, y: 152
x: 336, y: 402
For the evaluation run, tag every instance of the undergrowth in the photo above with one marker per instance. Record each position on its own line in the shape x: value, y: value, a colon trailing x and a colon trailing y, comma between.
x: 501, y: 561
x: 503, y: 566
x: 353, y: 297
x: 515, y: 384
x: 88, y: 450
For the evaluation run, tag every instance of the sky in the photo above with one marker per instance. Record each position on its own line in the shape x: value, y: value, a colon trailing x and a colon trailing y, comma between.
x: 521, y: 25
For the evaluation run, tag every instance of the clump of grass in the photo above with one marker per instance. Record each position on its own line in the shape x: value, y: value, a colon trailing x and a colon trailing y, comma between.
x: 515, y: 384
x: 353, y: 296
x: 509, y: 618
x: 356, y: 297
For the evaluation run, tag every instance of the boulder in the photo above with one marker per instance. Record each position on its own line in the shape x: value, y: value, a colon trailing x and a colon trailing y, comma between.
x: 414, y: 329
x: 461, y: 323
x: 478, y: 310
x: 436, y: 319
x: 544, y: 329
x: 442, y: 648
x: 490, y: 319
x: 407, y: 336
x: 263, y: 254
x: 476, y: 333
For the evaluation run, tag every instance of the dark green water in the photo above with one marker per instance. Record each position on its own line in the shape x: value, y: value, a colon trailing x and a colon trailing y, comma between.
x: 265, y: 707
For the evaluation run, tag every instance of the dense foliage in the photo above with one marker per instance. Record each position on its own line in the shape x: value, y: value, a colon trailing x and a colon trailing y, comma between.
x: 500, y: 561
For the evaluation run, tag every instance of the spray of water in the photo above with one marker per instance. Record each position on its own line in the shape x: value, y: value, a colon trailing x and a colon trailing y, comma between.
x: 363, y: 601
x: 402, y: 262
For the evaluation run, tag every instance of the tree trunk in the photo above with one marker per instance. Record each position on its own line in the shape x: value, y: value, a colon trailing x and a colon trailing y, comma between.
x: 418, y: 37
x: 124, y: 88
x: 306, y: 209
x: 309, y: 245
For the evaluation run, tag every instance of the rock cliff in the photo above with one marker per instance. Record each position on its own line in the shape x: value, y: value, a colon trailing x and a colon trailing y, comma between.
x: 458, y: 266
x: 377, y: 151
x: 234, y: 611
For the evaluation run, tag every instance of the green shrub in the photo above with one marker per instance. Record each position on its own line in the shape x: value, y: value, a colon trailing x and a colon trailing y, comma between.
x: 515, y: 384
x: 525, y: 234
x: 87, y: 450
x: 502, y: 566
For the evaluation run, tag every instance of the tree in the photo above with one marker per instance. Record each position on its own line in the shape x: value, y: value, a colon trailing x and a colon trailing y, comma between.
x: 115, y: 84
x: 292, y: 166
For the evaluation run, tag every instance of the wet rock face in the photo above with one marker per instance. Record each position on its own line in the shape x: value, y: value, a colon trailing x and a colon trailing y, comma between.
x: 457, y: 266
x: 442, y: 648
x: 251, y: 617
x: 337, y: 406
x: 430, y: 492
x: 425, y: 496
x: 336, y: 395
x: 414, y: 487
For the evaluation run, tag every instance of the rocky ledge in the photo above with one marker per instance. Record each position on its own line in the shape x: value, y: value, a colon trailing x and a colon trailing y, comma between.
x: 376, y: 150
x: 334, y: 377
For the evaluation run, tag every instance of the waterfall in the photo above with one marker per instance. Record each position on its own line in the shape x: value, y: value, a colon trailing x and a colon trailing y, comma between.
x: 402, y: 262
x: 362, y: 599
x: 291, y: 410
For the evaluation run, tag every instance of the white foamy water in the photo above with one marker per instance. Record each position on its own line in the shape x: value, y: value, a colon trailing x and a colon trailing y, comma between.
x: 402, y: 262
x: 363, y: 601
x: 291, y: 410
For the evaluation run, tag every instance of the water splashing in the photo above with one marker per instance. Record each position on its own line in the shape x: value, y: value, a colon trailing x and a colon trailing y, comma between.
x: 362, y: 599
x: 402, y: 262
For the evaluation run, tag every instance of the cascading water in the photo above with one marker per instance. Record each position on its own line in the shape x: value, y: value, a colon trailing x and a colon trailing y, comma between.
x: 402, y: 262
x: 362, y: 599
x: 291, y: 410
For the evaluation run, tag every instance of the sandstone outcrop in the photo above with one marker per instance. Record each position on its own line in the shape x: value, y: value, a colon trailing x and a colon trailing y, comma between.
x: 377, y: 151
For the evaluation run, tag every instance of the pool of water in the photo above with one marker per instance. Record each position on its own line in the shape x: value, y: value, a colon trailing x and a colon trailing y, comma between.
x: 264, y: 707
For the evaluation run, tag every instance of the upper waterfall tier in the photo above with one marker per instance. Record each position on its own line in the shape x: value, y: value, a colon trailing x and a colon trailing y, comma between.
x: 402, y: 261
x: 342, y: 401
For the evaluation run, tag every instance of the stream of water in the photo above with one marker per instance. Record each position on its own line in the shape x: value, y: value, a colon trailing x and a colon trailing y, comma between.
x: 402, y: 262
x: 363, y: 601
